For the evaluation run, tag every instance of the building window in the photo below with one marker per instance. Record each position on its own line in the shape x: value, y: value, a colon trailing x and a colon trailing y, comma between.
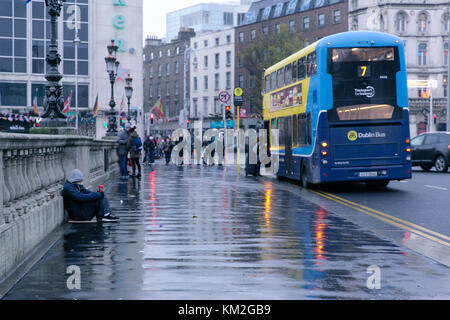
x: 422, y: 55
x: 446, y: 53
x: 168, y: 52
x: 195, y: 105
x: 444, y: 84
x: 206, y: 82
x: 195, y: 84
x: 216, y: 81
x: 241, y: 37
x: 265, y: 30
x: 292, y: 25
x: 355, y: 24
x: 151, y: 90
x: 217, y: 41
x: 228, y: 80
x: 217, y: 60
x: 159, y: 70
x: 321, y: 19
x: 336, y: 16
x: 205, y: 42
x: 152, y: 56
x: 13, y: 94
x: 355, y: 4
x: 205, y: 106
x: 176, y: 87
x: 446, y: 22
x: 228, y: 58
x: 228, y: 38
x: 195, y: 45
x: 158, y: 90
x: 195, y: 63
x: 168, y: 69
x: 167, y: 88
x: 160, y: 53
x: 151, y: 72
x: 177, y: 67
x: 241, y: 81
x: 252, y: 34
x: 277, y: 28
x: 240, y: 62
x: 423, y: 21
x: 305, y: 23
x: 252, y: 81
x: 400, y: 22
x: 205, y: 61
x: 228, y: 18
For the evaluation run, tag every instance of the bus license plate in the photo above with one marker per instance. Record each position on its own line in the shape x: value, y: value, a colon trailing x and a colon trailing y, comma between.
x: 368, y: 174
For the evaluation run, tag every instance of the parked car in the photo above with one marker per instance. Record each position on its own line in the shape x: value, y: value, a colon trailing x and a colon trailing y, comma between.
x: 431, y: 150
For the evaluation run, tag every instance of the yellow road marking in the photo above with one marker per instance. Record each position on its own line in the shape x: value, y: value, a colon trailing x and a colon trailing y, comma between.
x: 387, y: 218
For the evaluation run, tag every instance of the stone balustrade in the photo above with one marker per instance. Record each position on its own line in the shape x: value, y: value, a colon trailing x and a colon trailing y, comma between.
x: 33, y: 169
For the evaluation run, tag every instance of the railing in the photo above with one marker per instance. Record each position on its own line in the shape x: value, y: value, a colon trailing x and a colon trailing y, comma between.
x: 33, y: 168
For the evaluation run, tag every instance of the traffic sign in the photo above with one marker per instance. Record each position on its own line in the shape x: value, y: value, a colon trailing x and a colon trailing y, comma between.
x: 238, y: 101
x: 238, y: 92
x: 224, y: 97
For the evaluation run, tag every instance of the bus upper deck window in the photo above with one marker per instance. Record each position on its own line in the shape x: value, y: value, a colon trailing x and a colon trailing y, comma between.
x: 312, y: 66
x: 287, y: 75
x: 267, y: 84
x: 301, y: 69
x: 294, y: 71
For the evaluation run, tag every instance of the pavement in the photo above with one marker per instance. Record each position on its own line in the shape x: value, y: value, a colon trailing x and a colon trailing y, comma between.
x: 199, y: 232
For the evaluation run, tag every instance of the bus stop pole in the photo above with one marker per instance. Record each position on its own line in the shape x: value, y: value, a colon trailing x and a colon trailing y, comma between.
x: 239, y: 147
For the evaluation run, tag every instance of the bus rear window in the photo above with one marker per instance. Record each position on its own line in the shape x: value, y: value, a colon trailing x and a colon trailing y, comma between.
x: 339, y: 55
x: 365, y: 112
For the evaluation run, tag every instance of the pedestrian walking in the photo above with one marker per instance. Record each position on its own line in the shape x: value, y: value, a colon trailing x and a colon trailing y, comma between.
x: 122, y: 139
x: 83, y: 205
x: 135, y: 147
x: 149, y: 146
x: 167, y: 149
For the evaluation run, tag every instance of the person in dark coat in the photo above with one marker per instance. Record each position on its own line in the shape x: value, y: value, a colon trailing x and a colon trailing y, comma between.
x: 135, y: 155
x: 167, y: 149
x: 122, y: 139
x: 149, y: 149
x: 82, y: 204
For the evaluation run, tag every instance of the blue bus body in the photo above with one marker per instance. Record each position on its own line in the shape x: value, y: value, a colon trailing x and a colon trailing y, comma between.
x: 365, y: 147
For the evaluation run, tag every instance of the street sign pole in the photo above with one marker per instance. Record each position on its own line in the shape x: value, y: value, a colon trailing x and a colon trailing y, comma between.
x: 238, y: 101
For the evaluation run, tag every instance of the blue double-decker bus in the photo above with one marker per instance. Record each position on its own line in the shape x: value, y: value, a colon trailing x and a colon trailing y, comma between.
x: 341, y: 107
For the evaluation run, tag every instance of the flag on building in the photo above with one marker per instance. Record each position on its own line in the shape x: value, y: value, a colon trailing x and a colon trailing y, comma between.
x: 122, y: 104
x: 35, y: 109
x: 68, y: 103
x: 96, y: 107
x: 158, y: 109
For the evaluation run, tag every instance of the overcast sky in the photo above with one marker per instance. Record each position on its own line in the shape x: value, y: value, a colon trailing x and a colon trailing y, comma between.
x: 155, y: 13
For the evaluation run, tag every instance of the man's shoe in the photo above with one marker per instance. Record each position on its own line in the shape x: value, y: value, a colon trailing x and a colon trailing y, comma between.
x: 110, y: 218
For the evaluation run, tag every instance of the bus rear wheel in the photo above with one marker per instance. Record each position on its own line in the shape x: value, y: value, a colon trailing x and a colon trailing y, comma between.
x: 304, y: 178
x: 377, y: 184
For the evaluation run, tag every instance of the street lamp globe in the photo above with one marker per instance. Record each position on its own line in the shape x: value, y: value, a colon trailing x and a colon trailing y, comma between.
x: 110, y: 62
x: 128, y: 91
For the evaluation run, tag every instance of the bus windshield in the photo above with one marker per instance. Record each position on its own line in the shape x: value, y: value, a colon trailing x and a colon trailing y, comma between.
x: 364, y: 83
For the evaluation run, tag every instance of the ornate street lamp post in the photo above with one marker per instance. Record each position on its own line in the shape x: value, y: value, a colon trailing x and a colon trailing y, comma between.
x: 129, y: 93
x: 112, y: 65
x: 53, y: 101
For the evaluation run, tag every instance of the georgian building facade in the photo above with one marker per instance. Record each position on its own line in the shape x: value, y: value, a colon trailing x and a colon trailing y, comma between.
x: 424, y: 28
x: 212, y: 71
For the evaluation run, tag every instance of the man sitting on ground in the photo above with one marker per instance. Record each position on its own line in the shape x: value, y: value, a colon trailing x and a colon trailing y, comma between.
x: 83, y: 205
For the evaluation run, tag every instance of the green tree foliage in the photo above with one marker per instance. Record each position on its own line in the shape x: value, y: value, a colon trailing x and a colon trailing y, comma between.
x: 265, y: 51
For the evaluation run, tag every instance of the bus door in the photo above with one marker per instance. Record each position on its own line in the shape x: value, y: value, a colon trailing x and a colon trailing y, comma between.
x: 288, y: 144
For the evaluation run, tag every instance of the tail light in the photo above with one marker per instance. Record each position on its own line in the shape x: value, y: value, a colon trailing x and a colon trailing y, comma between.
x: 408, y: 149
x: 449, y: 147
x: 324, y: 144
x: 324, y: 153
x: 408, y: 141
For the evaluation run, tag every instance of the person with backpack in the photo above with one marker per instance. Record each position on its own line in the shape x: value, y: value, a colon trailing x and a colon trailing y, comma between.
x: 135, y: 147
x: 149, y: 147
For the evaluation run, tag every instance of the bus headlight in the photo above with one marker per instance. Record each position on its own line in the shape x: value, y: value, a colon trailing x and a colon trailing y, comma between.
x: 325, y: 161
x: 408, y: 158
x: 384, y: 172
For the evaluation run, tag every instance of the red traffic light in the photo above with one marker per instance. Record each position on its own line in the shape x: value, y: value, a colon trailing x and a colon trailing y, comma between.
x: 227, y: 108
x: 151, y: 116
x: 435, y: 116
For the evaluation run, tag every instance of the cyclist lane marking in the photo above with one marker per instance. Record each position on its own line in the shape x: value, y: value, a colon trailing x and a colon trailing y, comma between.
x: 427, y: 233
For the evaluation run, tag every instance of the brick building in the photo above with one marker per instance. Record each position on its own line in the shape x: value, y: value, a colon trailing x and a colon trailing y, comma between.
x: 309, y: 20
x: 164, y: 77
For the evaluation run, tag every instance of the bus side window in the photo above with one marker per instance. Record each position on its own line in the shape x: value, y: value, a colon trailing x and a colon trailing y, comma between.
x: 308, y: 128
x: 273, y: 81
x: 267, y: 84
x: 295, y: 131
x: 287, y: 75
x: 301, y: 69
x: 294, y: 71
x: 280, y: 127
x: 281, y: 78
x: 312, y: 66
x: 302, y: 129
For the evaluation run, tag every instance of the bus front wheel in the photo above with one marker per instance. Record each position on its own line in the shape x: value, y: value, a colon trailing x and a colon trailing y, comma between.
x: 377, y: 183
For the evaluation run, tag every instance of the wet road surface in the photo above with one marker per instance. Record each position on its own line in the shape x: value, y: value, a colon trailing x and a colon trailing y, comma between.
x: 202, y: 233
